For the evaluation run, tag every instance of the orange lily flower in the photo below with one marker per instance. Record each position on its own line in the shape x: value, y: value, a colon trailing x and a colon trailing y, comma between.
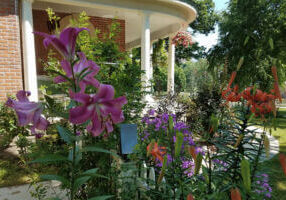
x: 157, y: 152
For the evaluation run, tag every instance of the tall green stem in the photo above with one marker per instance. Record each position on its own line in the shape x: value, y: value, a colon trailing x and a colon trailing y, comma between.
x: 73, y: 166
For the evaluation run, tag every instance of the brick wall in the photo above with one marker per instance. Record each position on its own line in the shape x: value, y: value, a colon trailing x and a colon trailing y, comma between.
x: 103, y: 25
x: 10, y: 51
x: 40, y: 19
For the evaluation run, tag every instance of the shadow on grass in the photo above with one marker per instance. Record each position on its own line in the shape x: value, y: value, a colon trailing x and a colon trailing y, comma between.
x: 13, y: 171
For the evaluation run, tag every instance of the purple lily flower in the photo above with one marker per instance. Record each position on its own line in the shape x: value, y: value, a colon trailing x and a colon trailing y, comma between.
x: 66, y: 42
x: 102, y: 109
x: 83, y: 64
x: 28, y: 112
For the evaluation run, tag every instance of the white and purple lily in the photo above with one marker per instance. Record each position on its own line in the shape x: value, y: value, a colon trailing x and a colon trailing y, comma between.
x: 28, y: 112
x: 102, y: 109
x: 65, y: 43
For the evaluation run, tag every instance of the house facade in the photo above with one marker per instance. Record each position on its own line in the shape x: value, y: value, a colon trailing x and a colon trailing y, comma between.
x: 141, y: 22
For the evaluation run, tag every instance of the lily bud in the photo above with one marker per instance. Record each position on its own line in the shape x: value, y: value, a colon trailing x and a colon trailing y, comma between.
x: 235, y: 194
x: 245, y: 173
x: 282, y: 159
x: 198, y: 163
x: 190, y: 197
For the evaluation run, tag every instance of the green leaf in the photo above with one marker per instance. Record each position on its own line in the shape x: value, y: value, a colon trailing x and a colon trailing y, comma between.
x: 246, y: 40
x: 162, y: 173
x: 80, y: 181
x: 49, y: 100
x: 102, y: 197
x: 171, y: 125
x: 54, y: 198
x: 245, y: 173
x: 84, y: 75
x: 65, y: 134
x: 81, y: 75
x: 71, y: 104
x: 214, y: 122
x: 55, y: 177
x: 240, y: 62
x: 78, y: 155
x: 90, y: 172
x: 97, y: 149
x: 271, y: 44
x: 50, y: 158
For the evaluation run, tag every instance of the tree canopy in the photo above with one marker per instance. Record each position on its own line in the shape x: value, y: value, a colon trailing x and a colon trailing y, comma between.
x: 204, y: 24
x: 254, y: 30
x: 206, y: 15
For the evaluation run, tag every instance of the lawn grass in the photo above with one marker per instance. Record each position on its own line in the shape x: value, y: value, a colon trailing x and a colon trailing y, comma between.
x: 272, y: 166
x: 13, y: 171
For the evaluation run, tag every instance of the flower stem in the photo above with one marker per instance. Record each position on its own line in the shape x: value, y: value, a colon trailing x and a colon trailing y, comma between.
x: 73, y: 167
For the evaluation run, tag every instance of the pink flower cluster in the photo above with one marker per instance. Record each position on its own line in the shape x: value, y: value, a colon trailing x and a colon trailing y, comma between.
x: 183, y: 38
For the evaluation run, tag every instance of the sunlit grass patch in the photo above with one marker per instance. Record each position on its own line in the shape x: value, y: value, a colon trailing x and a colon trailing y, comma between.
x: 272, y: 166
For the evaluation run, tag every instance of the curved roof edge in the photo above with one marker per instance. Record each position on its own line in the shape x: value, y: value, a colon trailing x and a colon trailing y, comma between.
x: 183, y: 12
x: 170, y: 7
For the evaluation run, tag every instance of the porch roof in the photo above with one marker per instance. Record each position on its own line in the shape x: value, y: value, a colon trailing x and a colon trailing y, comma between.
x: 166, y: 16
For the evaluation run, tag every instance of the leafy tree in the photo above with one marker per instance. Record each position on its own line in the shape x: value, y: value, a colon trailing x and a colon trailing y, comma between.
x: 204, y: 24
x: 160, y: 64
x: 185, y: 54
x: 255, y: 30
x: 206, y: 15
x: 197, y: 75
x: 180, y: 79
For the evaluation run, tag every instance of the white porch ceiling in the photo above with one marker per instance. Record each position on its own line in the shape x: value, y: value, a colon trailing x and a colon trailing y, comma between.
x: 166, y: 16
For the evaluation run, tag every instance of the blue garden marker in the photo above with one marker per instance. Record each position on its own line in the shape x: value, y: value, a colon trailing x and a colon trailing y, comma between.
x: 128, y: 134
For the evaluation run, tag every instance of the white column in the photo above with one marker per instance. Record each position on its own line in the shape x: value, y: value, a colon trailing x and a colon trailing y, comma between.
x: 145, y: 50
x: 29, y: 55
x: 171, y: 67
x: 151, y: 64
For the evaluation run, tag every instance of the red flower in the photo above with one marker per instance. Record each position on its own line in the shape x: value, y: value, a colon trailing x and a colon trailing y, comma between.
x: 260, y: 102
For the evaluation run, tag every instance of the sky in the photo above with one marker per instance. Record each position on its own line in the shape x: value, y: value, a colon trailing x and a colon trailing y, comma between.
x: 212, y: 38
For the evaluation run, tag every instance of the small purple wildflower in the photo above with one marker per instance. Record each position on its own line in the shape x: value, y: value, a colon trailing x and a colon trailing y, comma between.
x: 199, y: 150
x: 262, y: 186
x: 189, y: 167
x: 151, y: 112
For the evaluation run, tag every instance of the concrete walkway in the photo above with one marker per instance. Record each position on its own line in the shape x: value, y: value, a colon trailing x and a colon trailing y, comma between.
x: 22, y: 192
x: 274, y: 144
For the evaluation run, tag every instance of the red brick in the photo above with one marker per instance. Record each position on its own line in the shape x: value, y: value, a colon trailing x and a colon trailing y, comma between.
x: 10, y: 56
